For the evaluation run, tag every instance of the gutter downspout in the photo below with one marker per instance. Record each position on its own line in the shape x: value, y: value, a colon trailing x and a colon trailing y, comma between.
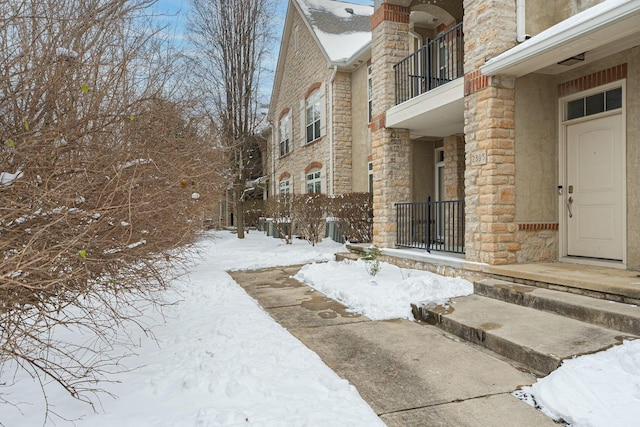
x: 331, y: 140
x: 521, y: 19
x: 274, y: 185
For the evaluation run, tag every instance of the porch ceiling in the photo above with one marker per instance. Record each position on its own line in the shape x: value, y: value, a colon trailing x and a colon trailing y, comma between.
x: 436, y: 114
x: 599, y: 31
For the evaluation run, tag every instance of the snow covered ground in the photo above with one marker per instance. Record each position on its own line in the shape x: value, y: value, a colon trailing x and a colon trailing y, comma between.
x: 219, y: 360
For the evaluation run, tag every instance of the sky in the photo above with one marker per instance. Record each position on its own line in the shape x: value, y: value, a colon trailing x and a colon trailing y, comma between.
x: 175, y: 11
x: 218, y: 359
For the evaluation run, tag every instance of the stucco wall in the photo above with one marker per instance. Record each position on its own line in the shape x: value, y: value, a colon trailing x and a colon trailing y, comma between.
x: 361, y: 135
x: 541, y: 15
x: 633, y: 159
x: 536, y: 149
x: 423, y: 170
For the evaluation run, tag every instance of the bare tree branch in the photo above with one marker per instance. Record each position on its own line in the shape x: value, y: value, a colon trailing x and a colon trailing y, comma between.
x: 232, y: 39
x: 101, y: 159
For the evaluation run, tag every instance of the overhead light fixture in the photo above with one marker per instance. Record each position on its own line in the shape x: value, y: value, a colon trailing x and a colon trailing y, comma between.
x: 573, y: 60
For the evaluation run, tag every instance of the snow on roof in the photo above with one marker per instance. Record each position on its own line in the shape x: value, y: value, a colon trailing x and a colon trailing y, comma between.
x: 342, y: 29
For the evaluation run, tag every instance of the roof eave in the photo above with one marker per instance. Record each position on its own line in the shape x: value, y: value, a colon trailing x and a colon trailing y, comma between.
x: 361, y: 55
x: 551, y: 45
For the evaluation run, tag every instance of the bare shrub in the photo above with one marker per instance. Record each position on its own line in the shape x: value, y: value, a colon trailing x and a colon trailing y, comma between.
x: 309, y: 211
x: 104, y: 174
x: 254, y: 210
x: 278, y: 208
x: 354, y: 213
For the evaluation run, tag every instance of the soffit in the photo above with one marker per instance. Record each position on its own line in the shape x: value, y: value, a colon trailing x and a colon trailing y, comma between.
x: 604, y: 29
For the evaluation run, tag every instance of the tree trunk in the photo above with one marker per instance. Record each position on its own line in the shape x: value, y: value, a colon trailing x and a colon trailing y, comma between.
x: 239, y: 211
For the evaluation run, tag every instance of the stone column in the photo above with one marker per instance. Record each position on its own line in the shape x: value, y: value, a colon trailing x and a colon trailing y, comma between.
x: 490, y: 234
x: 391, y: 148
x: 342, y: 136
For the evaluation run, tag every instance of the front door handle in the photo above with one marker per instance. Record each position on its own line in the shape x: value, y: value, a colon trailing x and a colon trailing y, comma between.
x: 569, y: 203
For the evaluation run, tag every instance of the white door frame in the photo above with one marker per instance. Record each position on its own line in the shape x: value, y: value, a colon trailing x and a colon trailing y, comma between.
x: 562, y: 173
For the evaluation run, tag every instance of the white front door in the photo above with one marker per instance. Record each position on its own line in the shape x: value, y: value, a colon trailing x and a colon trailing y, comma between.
x: 594, y: 192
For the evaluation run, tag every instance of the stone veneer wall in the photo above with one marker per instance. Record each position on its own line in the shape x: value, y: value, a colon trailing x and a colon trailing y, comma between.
x: 538, y: 243
x: 391, y: 148
x: 490, y: 234
x: 304, y: 66
x: 341, y: 128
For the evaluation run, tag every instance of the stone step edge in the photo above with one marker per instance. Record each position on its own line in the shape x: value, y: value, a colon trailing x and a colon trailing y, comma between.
x: 540, y: 364
x: 525, y: 296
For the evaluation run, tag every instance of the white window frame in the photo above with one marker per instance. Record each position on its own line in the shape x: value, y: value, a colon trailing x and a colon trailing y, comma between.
x: 313, y: 181
x: 370, y: 176
x: 369, y: 93
x: 284, y: 127
x: 285, y: 186
x: 313, y: 117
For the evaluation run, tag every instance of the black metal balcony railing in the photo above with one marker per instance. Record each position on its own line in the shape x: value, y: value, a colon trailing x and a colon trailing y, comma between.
x: 434, y: 64
x: 437, y: 226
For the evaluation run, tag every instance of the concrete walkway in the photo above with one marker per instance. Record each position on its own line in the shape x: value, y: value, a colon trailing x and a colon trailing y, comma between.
x: 411, y: 374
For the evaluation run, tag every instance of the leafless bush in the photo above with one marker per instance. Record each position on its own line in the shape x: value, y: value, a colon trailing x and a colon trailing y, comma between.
x: 254, y: 210
x: 354, y: 213
x: 103, y: 175
x: 310, y: 212
x: 278, y: 208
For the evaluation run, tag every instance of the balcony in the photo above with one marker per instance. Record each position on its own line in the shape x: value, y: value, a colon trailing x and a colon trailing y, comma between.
x: 438, y: 62
x: 429, y: 90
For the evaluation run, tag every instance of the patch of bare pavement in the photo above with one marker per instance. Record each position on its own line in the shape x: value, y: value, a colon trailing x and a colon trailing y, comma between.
x: 411, y: 374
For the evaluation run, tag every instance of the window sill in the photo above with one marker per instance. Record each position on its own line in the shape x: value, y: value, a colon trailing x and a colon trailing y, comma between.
x: 312, y: 142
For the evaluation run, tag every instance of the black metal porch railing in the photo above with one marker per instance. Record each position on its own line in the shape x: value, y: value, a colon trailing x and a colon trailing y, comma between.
x: 434, y: 64
x: 437, y: 226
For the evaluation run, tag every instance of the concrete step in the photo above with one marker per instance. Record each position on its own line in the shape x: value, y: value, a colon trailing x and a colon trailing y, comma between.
x: 612, y: 315
x: 536, y: 339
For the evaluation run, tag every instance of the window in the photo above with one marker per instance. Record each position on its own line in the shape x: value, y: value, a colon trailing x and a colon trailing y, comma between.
x: 314, y: 184
x: 285, y: 186
x: 369, y: 93
x: 594, y: 104
x: 312, y: 108
x: 370, y: 177
x: 285, y: 134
